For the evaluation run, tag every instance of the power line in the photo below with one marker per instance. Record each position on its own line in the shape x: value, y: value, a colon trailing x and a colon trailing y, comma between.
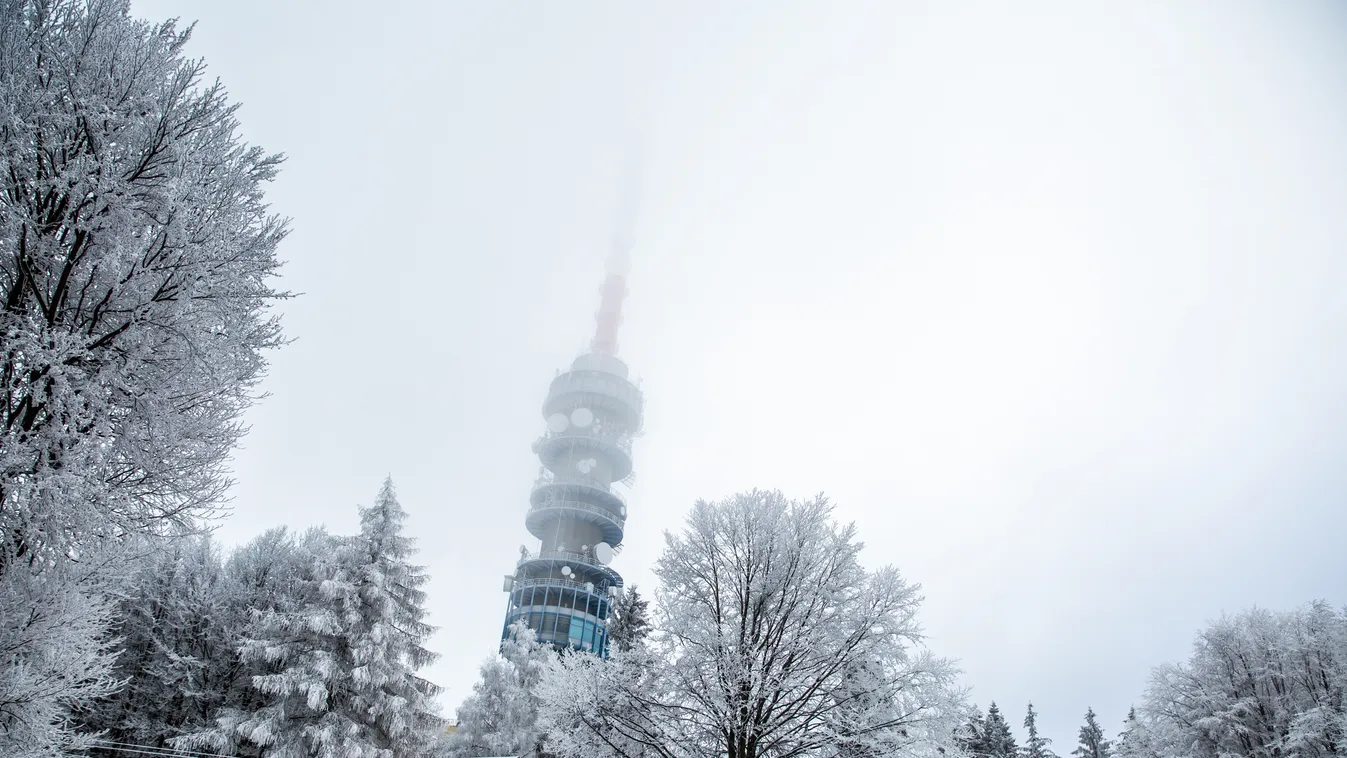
x: 130, y: 747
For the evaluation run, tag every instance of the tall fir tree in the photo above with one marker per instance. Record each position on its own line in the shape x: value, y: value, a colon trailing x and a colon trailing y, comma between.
x: 1134, y: 741
x: 998, y: 740
x: 388, y: 635
x: 630, y: 621
x: 1036, y: 746
x: 1092, y: 742
x: 332, y: 663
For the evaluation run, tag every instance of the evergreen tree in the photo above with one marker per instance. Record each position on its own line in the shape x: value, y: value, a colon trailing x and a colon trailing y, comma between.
x: 970, y: 737
x: 289, y: 655
x: 998, y: 741
x: 331, y: 660
x: 629, y: 623
x: 1035, y: 746
x: 54, y: 655
x: 388, y: 636
x: 1092, y: 742
x: 1135, y: 739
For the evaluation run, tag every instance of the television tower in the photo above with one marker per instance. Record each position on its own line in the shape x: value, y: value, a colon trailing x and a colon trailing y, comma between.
x: 565, y: 590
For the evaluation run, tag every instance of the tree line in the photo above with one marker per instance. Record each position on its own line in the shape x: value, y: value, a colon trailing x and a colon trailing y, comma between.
x: 766, y: 639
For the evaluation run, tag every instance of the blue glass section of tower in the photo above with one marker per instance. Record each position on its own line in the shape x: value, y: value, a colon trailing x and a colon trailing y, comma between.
x: 565, y: 590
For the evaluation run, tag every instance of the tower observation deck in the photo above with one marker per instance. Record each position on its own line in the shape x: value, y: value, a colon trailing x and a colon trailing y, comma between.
x: 565, y: 589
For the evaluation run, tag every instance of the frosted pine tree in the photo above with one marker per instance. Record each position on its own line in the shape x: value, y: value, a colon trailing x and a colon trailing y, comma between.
x: 1135, y: 740
x: 1092, y: 742
x: 1035, y: 746
x: 334, y: 662
x: 289, y: 655
x: 999, y: 742
x: 629, y: 623
x: 388, y: 636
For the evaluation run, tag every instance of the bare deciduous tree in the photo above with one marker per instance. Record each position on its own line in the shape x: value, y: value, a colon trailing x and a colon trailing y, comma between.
x: 771, y: 641
x: 136, y: 252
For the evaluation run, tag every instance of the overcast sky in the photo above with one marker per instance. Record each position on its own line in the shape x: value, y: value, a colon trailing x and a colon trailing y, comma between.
x: 1051, y: 299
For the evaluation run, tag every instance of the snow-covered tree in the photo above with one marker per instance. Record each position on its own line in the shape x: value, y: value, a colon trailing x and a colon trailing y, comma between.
x: 629, y: 623
x: 1091, y: 741
x: 500, y: 717
x: 770, y: 640
x: 136, y: 252
x: 387, y: 636
x: 176, y: 627
x: 1259, y: 684
x: 1135, y: 740
x: 971, y: 736
x: 291, y: 630
x: 1035, y: 745
x: 332, y: 660
x: 607, y: 709
x: 54, y: 655
x: 999, y: 741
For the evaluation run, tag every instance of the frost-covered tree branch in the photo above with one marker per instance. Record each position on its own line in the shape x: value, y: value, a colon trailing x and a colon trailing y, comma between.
x: 136, y: 255
x: 771, y: 640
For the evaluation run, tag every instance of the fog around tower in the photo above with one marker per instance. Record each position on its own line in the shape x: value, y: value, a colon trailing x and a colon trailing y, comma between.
x: 1049, y: 300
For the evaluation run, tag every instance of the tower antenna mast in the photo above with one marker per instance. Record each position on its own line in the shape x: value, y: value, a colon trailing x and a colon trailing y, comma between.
x: 618, y: 264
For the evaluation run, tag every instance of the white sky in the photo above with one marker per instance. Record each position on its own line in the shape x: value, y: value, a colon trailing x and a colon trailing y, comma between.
x: 1049, y: 297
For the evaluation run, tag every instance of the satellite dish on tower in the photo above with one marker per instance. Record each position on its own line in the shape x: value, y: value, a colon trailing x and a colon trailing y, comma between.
x: 565, y: 570
x: 557, y: 423
x: 604, y: 552
x: 582, y: 417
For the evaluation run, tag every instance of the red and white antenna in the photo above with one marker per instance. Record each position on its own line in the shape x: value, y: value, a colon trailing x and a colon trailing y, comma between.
x: 618, y: 265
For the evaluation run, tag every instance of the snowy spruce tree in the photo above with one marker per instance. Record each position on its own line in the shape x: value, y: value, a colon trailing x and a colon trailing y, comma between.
x: 629, y: 622
x: 998, y: 740
x: 500, y: 717
x: 770, y: 639
x: 1092, y: 743
x: 1035, y: 745
x: 333, y: 662
x: 1135, y: 740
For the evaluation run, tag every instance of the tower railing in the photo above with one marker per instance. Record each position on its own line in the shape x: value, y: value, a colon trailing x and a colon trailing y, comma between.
x: 554, y: 582
x: 561, y: 502
x: 584, y: 559
x: 547, y: 478
x: 598, y: 383
x: 621, y: 439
